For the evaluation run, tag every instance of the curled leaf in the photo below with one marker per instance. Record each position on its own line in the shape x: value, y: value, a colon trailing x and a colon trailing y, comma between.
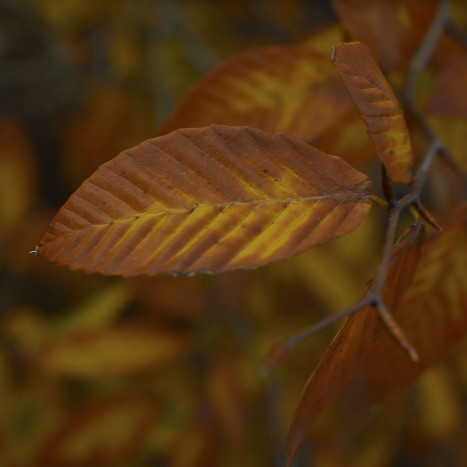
x: 208, y: 199
x: 378, y: 106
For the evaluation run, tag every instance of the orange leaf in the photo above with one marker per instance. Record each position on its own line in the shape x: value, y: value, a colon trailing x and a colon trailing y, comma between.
x: 432, y: 312
x: 209, y: 199
x: 449, y: 97
x: 392, y: 29
x: 101, y: 434
x: 353, y: 342
x: 291, y: 89
x: 119, y: 350
x: 378, y: 106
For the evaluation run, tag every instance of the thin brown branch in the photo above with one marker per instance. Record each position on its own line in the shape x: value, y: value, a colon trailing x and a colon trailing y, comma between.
x: 427, y: 46
x: 457, y: 33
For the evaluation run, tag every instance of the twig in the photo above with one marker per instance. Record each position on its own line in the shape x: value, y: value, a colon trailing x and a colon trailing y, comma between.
x: 441, y: 22
x: 427, y: 46
x: 458, y: 33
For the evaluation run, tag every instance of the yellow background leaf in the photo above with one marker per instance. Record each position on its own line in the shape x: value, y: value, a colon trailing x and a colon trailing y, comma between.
x: 112, y: 351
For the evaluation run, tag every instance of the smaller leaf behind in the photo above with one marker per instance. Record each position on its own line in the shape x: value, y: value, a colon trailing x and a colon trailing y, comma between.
x: 378, y: 106
x: 206, y: 199
x: 353, y: 342
x: 290, y: 89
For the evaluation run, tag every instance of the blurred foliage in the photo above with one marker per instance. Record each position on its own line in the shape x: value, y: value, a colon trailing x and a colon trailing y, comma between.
x: 165, y: 371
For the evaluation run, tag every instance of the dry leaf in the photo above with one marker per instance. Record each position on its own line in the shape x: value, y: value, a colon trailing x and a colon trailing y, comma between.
x: 432, y: 311
x: 291, y: 89
x: 209, y: 199
x: 353, y: 342
x: 378, y: 106
x: 392, y: 29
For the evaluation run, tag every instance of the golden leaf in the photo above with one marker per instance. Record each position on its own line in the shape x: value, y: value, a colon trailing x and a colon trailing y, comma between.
x: 210, y: 199
x: 289, y: 89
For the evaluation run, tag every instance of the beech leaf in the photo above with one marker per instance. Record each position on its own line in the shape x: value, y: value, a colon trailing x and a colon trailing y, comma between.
x: 432, y: 312
x: 378, y: 107
x: 288, y: 89
x: 392, y: 29
x: 206, y: 199
x: 352, y: 343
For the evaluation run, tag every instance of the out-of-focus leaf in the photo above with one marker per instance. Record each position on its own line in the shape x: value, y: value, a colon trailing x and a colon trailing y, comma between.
x: 291, y: 89
x: 392, y: 29
x: 335, y: 274
x: 432, y: 312
x: 17, y: 173
x: 197, y: 448
x: 96, y: 311
x: 101, y: 434
x: 223, y: 391
x: 114, y: 351
x: 352, y: 344
x: 452, y: 131
x: 449, y: 97
x: 108, y: 123
x: 439, y: 405
x: 378, y: 106
x: 215, y: 199
x: 348, y: 138
x: 30, y: 413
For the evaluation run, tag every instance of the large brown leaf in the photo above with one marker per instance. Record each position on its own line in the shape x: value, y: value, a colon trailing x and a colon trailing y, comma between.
x: 378, y: 106
x: 353, y: 342
x: 290, y: 89
x: 212, y: 199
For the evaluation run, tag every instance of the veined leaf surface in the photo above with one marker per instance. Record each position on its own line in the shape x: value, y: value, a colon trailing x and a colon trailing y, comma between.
x: 207, y: 199
x: 378, y: 106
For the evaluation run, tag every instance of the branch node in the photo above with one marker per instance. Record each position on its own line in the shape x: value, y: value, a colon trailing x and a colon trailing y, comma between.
x: 426, y: 215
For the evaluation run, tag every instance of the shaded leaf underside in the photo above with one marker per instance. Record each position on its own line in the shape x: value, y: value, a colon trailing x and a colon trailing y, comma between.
x: 209, y: 199
x: 354, y: 341
x: 427, y: 288
x: 378, y: 106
